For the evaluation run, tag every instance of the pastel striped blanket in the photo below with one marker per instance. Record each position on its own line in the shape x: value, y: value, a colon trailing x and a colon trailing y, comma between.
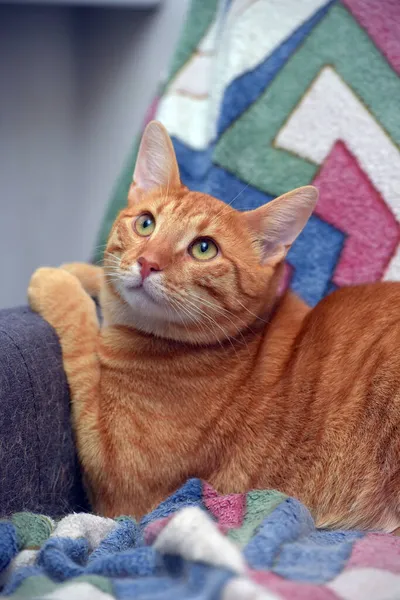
x: 199, y: 545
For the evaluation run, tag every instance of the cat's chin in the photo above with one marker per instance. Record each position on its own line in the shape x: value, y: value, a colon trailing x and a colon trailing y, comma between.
x: 146, y: 309
x: 143, y: 302
x: 138, y: 295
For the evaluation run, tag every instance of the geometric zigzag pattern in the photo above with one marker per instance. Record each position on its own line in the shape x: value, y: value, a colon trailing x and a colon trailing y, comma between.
x: 269, y: 96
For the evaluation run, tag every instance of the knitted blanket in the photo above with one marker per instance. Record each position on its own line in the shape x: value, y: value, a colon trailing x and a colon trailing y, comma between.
x: 200, y: 545
x: 267, y: 95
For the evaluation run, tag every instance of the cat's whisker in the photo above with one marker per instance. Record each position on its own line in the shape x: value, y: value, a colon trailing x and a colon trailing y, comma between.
x: 112, y: 271
x: 203, y: 325
x: 220, y: 309
x: 112, y: 266
x: 211, y: 304
x: 231, y: 202
x: 238, y: 330
x: 100, y: 248
x: 223, y: 311
x: 205, y: 315
x: 202, y: 313
x: 251, y: 313
x: 113, y: 278
x: 161, y: 289
x: 111, y: 257
x: 176, y: 306
x: 236, y: 327
x: 179, y: 310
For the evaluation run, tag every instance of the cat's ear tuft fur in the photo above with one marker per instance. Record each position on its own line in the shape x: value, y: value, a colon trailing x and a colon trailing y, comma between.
x: 277, y: 224
x: 156, y: 164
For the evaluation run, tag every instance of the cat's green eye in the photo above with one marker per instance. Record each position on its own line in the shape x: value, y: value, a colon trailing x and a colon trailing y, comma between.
x: 203, y: 249
x: 145, y: 224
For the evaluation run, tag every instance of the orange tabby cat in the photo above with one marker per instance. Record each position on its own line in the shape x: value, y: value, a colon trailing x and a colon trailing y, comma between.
x: 200, y: 369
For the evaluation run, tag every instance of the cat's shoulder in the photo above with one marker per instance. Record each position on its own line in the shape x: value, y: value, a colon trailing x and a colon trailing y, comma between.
x: 360, y: 304
x: 364, y: 294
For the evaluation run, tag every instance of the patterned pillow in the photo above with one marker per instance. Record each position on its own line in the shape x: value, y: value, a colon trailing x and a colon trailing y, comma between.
x: 265, y: 96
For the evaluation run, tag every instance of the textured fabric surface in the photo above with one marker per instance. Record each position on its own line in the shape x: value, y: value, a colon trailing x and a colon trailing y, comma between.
x: 197, y: 544
x: 266, y: 96
x: 39, y: 468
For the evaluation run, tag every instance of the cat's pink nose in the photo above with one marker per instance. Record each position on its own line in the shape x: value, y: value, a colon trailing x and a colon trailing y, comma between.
x: 147, y: 267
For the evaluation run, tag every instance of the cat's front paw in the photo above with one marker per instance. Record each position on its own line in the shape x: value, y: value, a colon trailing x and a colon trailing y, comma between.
x: 90, y: 276
x: 48, y: 288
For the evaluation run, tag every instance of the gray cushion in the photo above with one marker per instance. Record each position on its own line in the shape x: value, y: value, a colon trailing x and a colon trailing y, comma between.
x: 39, y: 470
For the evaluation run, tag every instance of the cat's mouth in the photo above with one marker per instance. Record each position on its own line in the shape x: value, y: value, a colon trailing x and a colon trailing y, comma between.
x: 140, y: 290
x: 132, y: 286
x: 150, y: 301
x: 143, y: 292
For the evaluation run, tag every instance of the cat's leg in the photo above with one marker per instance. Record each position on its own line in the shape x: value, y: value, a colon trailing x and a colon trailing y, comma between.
x: 61, y: 300
x: 90, y: 276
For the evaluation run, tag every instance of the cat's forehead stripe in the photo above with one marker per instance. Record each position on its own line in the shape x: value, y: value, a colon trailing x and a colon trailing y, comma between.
x: 168, y: 205
x: 192, y: 205
x: 187, y: 215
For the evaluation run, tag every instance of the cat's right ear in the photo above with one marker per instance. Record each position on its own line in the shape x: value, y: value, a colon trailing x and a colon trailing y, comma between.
x: 276, y: 225
x: 156, y: 164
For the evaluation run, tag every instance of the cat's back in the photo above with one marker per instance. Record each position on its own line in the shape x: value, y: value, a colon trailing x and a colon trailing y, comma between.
x: 344, y: 373
x: 377, y: 301
x: 350, y: 341
x: 353, y: 320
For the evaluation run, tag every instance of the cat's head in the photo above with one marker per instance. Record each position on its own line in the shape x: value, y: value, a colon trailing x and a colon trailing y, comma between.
x: 183, y: 265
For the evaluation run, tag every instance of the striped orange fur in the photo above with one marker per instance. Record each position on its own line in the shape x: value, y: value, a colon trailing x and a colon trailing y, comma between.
x: 200, y: 369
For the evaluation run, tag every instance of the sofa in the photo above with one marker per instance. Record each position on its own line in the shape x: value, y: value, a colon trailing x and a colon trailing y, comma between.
x: 39, y: 466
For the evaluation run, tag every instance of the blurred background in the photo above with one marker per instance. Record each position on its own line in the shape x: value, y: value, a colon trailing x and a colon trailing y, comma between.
x: 76, y: 79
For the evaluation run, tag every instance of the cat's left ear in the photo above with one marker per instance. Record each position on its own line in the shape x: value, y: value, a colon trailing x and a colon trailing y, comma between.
x: 277, y: 224
x: 156, y: 164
